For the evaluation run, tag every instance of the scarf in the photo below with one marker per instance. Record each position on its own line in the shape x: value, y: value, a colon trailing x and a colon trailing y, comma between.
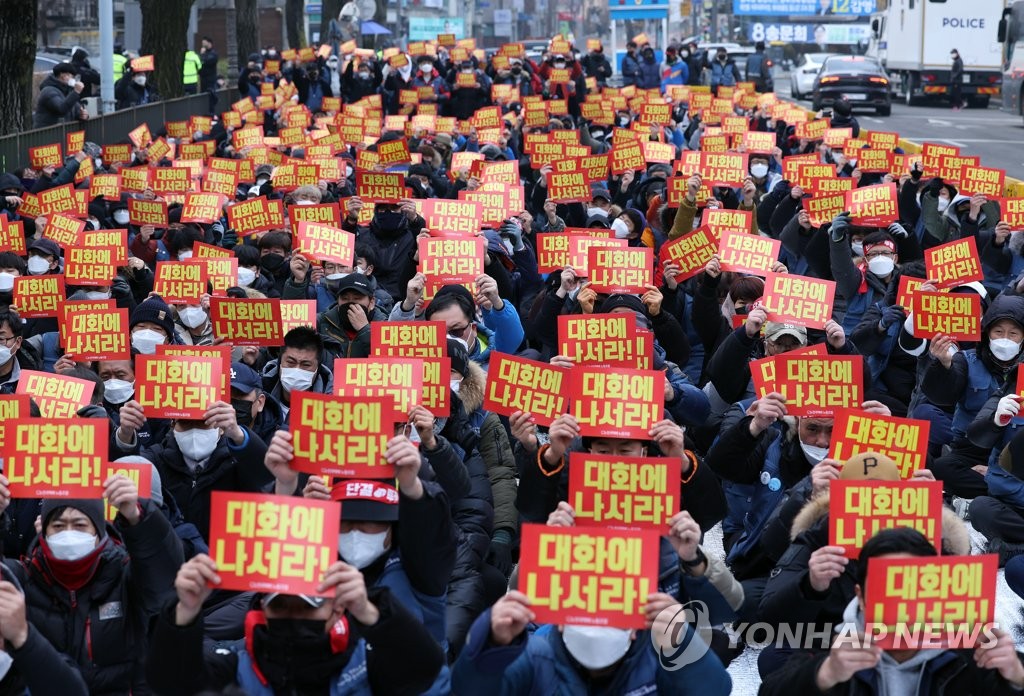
x: 73, y: 575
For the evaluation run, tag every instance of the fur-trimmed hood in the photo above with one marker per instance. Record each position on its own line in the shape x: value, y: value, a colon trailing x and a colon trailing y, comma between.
x: 473, y: 385
x: 956, y: 540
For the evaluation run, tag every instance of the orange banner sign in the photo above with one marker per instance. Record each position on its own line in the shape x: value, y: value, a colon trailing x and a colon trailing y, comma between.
x: 247, y: 322
x: 933, y: 601
x: 812, y: 385
x: 748, y: 253
x: 904, y: 440
x: 954, y: 263
x: 271, y: 543
x: 588, y: 576
x: 49, y: 458
x: 953, y: 314
x: 171, y: 386
x: 859, y: 509
x: 57, y: 396
x: 873, y: 206
x: 341, y: 436
x: 798, y: 300
x: 620, y: 271
x: 631, y: 492
x: 620, y: 403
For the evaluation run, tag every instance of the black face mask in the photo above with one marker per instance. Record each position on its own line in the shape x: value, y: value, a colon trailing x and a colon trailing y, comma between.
x: 271, y: 262
x: 243, y: 412
x: 390, y: 221
x: 344, y: 307
x: 295, y: 655
x: 516, y: 71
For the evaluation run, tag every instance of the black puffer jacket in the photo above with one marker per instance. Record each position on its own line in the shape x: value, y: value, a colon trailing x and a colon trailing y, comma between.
x: 57, y: 102
x: 394, y: 252
x: 102, y: 627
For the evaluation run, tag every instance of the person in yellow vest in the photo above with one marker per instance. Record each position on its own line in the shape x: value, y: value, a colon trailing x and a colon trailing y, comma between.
x: 119, y: 62
x: 190, y: 72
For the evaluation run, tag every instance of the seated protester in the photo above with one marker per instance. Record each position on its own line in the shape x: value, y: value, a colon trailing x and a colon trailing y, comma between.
x: 853, y: 665
x: 118, y: 378
x: 403, y: 539
x: 805, y: 248
x: 11, y: 266
x: 254, y: 408
x: 500, y: 329
x: 321, y: 282
x: 999, y: 512
x: 197, y: 457
x: 345, y: 327
x: 15, y: 353
x: 294, y: 643
x: 469, y: 384
x: 712, y: 316
x: 28, y: 662
x: 43, y: 257
x: 299, y: 367
x: 760, y: 456
x: 391, y: 237
x: 503, y: 657
x: 1002, y: 260
x: 813, y: 582
x: 275, y: 246
x: 860, y: 286
x: 961, y: 216
x: 151, y: 324
x: 251, y: 274
x: 193, y: 325
x: 91, y: 588
x: 965, y: 380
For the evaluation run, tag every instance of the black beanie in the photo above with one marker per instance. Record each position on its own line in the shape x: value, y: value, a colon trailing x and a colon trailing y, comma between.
x: 458, y: 355
x: 155, y: 310
x: 93, y: 509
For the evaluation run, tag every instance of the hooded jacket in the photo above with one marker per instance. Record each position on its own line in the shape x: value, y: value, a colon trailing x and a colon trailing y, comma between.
x: 57, y: 102
x: 337, y: 341
x: 323, y: 382
x: 394, y: 251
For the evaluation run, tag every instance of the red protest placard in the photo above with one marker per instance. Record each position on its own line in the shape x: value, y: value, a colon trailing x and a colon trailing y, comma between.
x: 86, y: 264
x: 341, y: 436
x: 587, y: 575
x: 221, y: 353
x: 12, y: 235
x: 517, y: 384
x: 598, y: 339
x: 904, y: 440
x: 393, y: 152
x: 627, y: 156
x: 758, y: 142
x: 180, y: 282
x: 748, y: 253
x: 409, y: 339
x: 907, y: 288
x: 171, y: 180
x: 255, y: 215
x: 49, y: 458
x: 247, y: 322
x: 931, y: 601
x: 723, y: 168
x: 722, y: 220
x: 13, y: 406
x: 872, y: 161
x: 96, y: 335
x: 798, y: 299
x: 819, y: 386
x: 325, y: 243
x: 202, y: 207
x: 322, y: 213
x: 462, y: 217
x: 625, y: 271
x: 1012, y: 212
x: 38, y: 296
x: 144, y: 212
x: 953, y: 314
x: 271, y: 543
x: 621, y: 403
x: 139, y: 474
x: 568, y: 187
x: 380, y: 187
x: 64, y: 230
x: 553, y: 253
x: 579, y: 251
x: 173, y: 386
x: 857, y: 510
x: 822, y: 208
x: 60, y: 199
x: 57, y: 396
x: 44, y: 156
x: 451, y: 260
x: 873, y: 206
x: 606, y: 490
x: 399, y: 378
x: 690, y: 253
x: 954, y: 263
x: 296, y: 313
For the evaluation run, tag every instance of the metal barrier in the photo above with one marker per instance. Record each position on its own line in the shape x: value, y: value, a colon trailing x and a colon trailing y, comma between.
x: 111, y: 128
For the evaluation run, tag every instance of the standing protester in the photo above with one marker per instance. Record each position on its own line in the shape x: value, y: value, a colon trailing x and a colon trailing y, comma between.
x: 60, y: 97
x: 956, y: 80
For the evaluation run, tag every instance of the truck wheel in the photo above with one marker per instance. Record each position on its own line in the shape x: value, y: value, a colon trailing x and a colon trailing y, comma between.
x: 979, y: 102
x: 884, y: 110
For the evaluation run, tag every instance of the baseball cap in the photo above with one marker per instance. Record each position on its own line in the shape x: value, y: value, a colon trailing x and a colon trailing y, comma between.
x: 774, y: 330
x: 244, y: 378
x: 315, y: 602
x: 870, y: 466
x: 45, y: 246
x: 367, y: 500
x: 357, y: 282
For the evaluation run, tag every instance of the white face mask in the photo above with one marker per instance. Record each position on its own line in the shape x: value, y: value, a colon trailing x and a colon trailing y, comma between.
x: 118, y: 391
x: 70, y: 82
x: 360, y: 549
x: 559, y: 66
x: 246, y: 276
x: 1004, y: 349
x: 146, y: 340
x: 121, y: 217
x: 197, y: 444
x: 596, y: 647
x: 296, y: 379
x: 461, y: 341
x: 97, y: 162
x: 6, y: 662
x: 6, y: 282
x: 455, y: 384
x: 140, y: 80
x: 943, y: 204
x: 759, y: 171
x: 182, y: 255
x: 71, y: 545
x: 881, y: 266
x: 97, y: 294
x: 192, y: 317
x: 304, y: 202
x: 5, y: 355
x: 348, y: 172
x: 426, y: 70
x: 37, y: 265
x: 814, y: 454
x: 620, y: 228
x: 857, y: 248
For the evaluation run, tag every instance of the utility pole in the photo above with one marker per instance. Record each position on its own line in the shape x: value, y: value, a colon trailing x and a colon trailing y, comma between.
x: 107, y: 56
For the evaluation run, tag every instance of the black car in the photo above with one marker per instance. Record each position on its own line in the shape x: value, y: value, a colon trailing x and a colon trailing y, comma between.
x: 861, y: 80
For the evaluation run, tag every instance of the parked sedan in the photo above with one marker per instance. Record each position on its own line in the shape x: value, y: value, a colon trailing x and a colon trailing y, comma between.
x: 860, y: 79
x: 805, y: 69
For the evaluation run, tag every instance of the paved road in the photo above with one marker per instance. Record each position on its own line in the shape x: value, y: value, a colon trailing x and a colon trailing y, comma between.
x: 994, y: 136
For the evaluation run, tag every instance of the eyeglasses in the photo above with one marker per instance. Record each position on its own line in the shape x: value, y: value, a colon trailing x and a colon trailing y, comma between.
x: 879, y: 254
x: 6, y: 340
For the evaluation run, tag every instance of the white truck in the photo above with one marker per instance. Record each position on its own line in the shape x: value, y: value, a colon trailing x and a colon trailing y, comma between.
x: 913, y: 38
